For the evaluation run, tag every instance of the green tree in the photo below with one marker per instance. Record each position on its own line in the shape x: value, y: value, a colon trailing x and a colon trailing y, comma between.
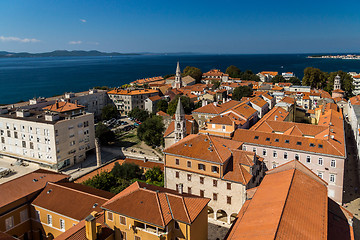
x: 216, y: 83
x: 151, y: 131
x: 155, y: 176
x: 127, y: 171
x: 120, y: 185
x: 139, y: 114
x: 104, y: 181
x: 314, y: 78
x: 109, y: 112
x: 294, y: 81
x: 104, y: 134
x: 193, y: 72
x: 233, y: 71
x: 277, y: 79
x: 186, y: 103
x: 168, y: 76
x: 162, y: 105
x: 242, y: 91
x: 346, y: 82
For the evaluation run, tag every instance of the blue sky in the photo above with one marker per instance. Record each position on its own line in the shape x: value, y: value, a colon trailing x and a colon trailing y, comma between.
x: 180, y: 26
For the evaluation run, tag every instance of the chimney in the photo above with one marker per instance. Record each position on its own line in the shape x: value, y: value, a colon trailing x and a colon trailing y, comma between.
x: 57, y: 104
x: 215, y: 104
x: 90, y: 226
x: 180, y: 188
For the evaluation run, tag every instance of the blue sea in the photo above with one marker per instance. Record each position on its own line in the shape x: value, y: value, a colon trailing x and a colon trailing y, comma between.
x: 25, y: 78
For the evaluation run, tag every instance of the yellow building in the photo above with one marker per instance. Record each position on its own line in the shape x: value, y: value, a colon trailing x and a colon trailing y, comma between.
x: 15, y: 200
x: 60, y: 206
x: 144, y: 211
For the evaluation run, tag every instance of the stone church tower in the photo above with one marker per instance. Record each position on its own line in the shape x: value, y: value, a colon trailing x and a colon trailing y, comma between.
x: 178, y: 81
x: 180, y: 122
x: 337, y: 84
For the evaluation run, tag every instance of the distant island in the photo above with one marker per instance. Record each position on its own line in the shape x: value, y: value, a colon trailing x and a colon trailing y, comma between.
x: 63, y: 53
x: 344, y: 56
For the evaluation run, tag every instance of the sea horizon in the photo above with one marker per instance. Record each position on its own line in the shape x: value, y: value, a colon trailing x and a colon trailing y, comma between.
x: 29, y: 77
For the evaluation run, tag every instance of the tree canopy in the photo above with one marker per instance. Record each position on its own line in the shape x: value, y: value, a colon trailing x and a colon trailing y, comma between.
x: 277, y: 79
x: 242, y: 91
x: 294, y: 81
x: 109, y: 111
x: 155, y: 176
x: 126, y: 171
x: 162, y: 105
x: 104, y: 134
x: 139, y: 114
x: 151, y: 131
x: 233, y: 71
x: 186, y: 103
x: 346, y: 82
x: 193, y: 72
x: 314, y: 78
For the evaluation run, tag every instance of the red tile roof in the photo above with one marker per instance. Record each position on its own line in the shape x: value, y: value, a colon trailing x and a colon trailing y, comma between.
x: 216, y: 109
x: 73, y: 200
x: 156, y: 205
x: 290, y: 203
x: 28, y: 184
x: 63, y: 107
x: 204, y: 147
x: 155, y: 98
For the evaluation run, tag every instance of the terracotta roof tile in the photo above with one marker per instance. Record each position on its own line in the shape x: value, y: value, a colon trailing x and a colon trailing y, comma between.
x: 27, y: 184
x: 161, y: 204
x: 63, y: 107
x: 131, y: 92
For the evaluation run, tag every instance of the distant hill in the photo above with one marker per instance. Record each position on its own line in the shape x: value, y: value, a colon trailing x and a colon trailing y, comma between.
x: 62, y: 53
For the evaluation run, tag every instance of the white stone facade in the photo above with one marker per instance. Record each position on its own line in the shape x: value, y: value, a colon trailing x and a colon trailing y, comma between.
x: 54, y: 144
x: 237, y: 193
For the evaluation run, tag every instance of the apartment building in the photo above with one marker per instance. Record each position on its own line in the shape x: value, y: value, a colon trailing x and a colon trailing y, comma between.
x: 151, y: 103
x: 127, y: 100
x: 353, y: 111
x: 55, y: 137
x: 291, y: 203
x: 356, y: 83
x: 62, y: 205
x: 215, y: 168
x: 15, y: 199
x: 144, y: 211
x: 266, y: 76
x: 320, y: 147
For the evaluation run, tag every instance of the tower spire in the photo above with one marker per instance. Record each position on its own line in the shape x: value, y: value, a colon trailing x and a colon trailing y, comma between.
x: 180, y: 122
x: 178, y: 80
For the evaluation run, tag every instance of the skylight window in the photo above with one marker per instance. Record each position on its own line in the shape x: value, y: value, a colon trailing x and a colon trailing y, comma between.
x: 298, y: 143
x: 276, y: 140
x: 267, y: 139
x: 312, y: 145
x: 287, y: 141
x: 320, y: 146
x: 256, y: 137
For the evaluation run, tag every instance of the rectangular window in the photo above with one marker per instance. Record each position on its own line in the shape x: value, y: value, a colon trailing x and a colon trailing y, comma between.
x: 201, y: 180
x: 285, y: 155
x: 214, y: 169
x: 320, y: 161
x: 37, y: 213
x: 24, y: 215
x: 201, y: 166
x: 308, y: 159
x: 264, y: 152
x: 296, y: 156
x: 189, y: 177
x: 137, y: 238
x: 215, y: 196
x: 275, y: 154
x: 228, y: 186
x: 49, y: 219
x: 189, y: 164
x: 177, y: 161
x: 62, y: 224
x: 228, y: 200
x: 320, y: 174
x: 332, y: 178
x: 215, y: 183
x: 122, y: 220
x: 202, y: 193
x: 333, y: 163
x: 177, y: 174
x: 189, y: 190
x: 110, y: 216
x: 9, y: 223
x: 254, y: 150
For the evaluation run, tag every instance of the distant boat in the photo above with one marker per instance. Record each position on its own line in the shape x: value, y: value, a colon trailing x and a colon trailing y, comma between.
x: 282, y: 66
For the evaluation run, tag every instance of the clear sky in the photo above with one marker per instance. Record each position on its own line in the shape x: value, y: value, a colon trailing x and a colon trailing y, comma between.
x: 225, y: 26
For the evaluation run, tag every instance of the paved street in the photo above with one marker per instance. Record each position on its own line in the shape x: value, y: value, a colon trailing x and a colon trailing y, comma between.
x: 351, y: 197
